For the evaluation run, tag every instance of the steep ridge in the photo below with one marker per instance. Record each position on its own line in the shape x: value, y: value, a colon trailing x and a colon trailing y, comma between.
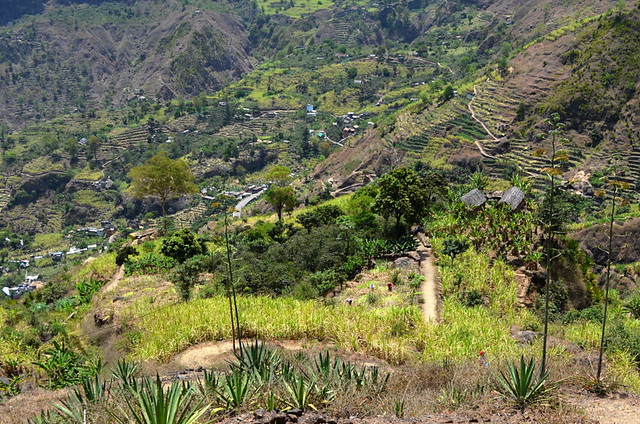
x: 87, y: 58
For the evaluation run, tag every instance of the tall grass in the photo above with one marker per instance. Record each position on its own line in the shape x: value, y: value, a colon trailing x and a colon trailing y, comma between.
x: 465, y: 331
x: 101, y: 268
x: 170, y: 329
x: 395, y: 333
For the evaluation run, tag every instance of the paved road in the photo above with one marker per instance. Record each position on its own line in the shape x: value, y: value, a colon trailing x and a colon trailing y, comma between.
x: 244, y: 202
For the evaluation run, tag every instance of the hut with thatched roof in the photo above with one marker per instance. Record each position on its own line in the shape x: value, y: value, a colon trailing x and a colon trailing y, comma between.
x: 474, y: 199
x: 514, y: 198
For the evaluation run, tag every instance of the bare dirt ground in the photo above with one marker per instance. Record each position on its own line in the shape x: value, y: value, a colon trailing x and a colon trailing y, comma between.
x: 618, y: 408
x: 430, y: 286
x: 210, y: 354
x: 114, y: 280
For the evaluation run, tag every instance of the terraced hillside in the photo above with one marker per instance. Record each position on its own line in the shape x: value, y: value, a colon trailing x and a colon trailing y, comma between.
x: 5, y: 196
x: 451, y: 119
x: 186, y: 217
x: 263, y: 125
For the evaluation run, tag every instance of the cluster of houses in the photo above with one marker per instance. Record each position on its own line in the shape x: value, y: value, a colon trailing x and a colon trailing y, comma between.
x: 105, y: 229
x: 29, y: 284
x: 238, y: 195
x: 103, y: 184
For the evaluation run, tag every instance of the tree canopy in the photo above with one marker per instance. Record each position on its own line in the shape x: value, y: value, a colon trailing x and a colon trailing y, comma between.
x: 279, y: 175
x: 283, y: 199
x: 162, y: 177
x: 402, y: 194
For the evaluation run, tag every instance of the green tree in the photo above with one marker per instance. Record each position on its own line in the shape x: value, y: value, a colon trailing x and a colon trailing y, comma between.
x: 124, y: 252
x: 72, y: 147
x: 322, y: 215
x: 185, y: 276
x: 447, y: 94
x: 283, y: 199
x: 162, y: 177
x: 279, y: 175
x: 92, y: 146
x: 182, y: 245
x: 402, y: 194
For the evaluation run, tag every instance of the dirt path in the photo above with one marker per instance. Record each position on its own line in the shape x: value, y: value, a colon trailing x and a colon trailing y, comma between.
x: 114, y: 280
x: 617, y: 408
x: 431, y: 285
x: 473, y: 115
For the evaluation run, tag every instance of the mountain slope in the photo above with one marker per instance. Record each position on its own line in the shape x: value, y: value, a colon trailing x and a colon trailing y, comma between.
x: 89, y: 57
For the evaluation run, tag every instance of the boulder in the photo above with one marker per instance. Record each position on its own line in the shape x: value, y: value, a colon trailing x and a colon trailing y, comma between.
x: 406, y: 263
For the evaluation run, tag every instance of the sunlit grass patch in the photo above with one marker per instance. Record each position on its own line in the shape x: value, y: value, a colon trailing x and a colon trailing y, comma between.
x: 101, y: 268
x: 172, y: 328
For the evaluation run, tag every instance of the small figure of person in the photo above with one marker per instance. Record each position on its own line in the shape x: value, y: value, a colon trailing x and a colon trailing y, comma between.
x: 349, y: 301
x: 371, y: 286
x: 482, y: 359
x: 390, y: 286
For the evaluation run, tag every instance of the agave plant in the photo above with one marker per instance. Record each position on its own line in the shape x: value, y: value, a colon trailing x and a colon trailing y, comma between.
x: 236, y: 389
x: 209, y: 383
x: 258, y: 360
x: 300, y: 390
x: 522, y: 384
x: 126, y: 372
x: 325, y: 366
x: 90, y: 391
x: 45, y: 417
x: 153, y: 405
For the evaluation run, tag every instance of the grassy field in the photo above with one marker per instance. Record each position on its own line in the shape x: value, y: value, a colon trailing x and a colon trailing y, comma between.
x: 395, y: 333
x: 391, y: 328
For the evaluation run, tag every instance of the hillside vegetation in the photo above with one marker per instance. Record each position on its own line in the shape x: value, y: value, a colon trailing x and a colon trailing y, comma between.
x: 401, y: 200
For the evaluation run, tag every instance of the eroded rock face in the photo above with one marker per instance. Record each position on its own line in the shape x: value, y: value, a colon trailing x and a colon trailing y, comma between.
x: 626, y: 242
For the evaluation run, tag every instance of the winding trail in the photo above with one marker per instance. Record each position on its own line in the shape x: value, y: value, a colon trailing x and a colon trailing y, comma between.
x: 473, y: 115
x: 430, y: 288
x: 478, y: 143
x: 114, y: 280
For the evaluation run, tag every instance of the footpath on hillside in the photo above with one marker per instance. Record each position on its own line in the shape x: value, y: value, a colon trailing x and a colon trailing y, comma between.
x: 431, y: 290
x: 115, y: 279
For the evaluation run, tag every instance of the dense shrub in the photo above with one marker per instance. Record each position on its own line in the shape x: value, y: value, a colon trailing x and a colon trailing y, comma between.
x: 325, y: 281
x: 182, y: 245
x: 53, y: 291
x: 124, y: 252
x: 149, y: 264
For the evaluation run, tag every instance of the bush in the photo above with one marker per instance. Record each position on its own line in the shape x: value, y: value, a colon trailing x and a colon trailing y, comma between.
x: 471, y: 298
x: 185, y: 276
x: 54, y: 291
x: 304, y: 290
x: 353, y: 265
x: 320, y: 216
x: 633, y: 306
x: 123, y: 254
x: 452, y: 247
x: 593, y: 313
x: 148, y: 264
x: 210, y: 290
x: 64, y: 367
x: 325, y: 281
x: 182, y: 245
x: 622, y: 336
